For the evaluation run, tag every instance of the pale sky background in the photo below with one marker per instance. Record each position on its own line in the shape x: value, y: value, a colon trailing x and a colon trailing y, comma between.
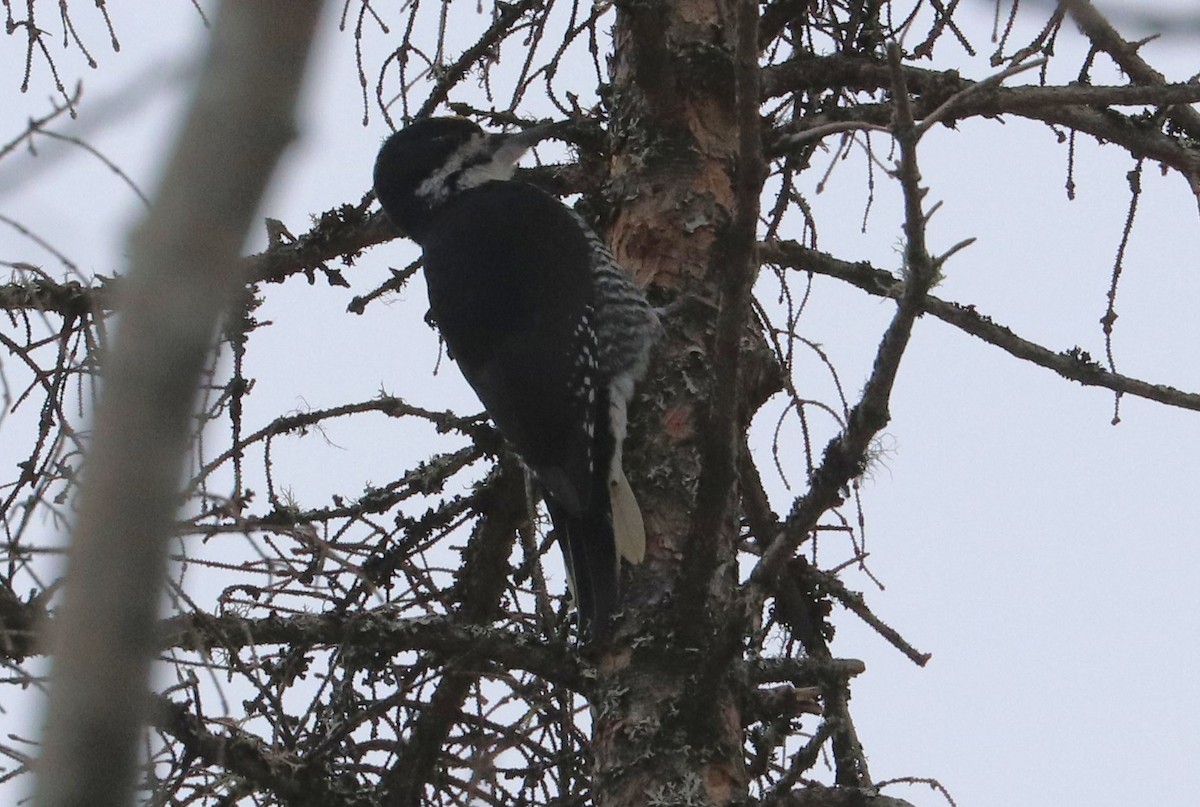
x: 1047, y: 559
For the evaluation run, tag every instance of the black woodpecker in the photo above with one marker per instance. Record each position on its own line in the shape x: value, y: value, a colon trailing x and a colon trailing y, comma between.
x: 548, y: 329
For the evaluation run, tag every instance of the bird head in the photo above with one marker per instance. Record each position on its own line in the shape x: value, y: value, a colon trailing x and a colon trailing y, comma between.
x: 426, y: 163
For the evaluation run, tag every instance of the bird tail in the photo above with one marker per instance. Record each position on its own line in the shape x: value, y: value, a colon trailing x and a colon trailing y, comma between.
x: 593, y: 544
x: 590, y: 553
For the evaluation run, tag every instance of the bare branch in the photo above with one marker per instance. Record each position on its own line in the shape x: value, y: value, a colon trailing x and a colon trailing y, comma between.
x: 286, y: 775
x: 1071, y: 106
x: 1074, y: 364
x: 183, y: 277
x: 379, y: 632
x: 1125, y: 54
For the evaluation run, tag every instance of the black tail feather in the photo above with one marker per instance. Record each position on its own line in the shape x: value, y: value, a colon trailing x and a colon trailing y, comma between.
x: 590, y: 554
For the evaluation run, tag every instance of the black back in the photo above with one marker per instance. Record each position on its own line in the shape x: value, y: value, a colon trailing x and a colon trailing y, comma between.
x: 509, y: 281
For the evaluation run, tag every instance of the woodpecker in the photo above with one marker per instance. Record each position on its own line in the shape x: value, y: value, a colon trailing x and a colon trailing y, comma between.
x: 547, y: 328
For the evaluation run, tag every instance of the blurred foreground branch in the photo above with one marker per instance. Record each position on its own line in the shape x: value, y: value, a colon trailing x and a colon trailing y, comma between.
x: 184, y: 274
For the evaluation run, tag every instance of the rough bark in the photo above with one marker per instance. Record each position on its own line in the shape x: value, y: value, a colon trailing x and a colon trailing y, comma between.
x: 684, y: 191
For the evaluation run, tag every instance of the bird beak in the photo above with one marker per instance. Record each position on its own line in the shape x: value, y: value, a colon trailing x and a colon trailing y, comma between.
x: 511, y: 146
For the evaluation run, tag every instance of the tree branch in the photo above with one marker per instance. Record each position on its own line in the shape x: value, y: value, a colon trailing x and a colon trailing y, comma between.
x: 1072, y: 106
x: 1073, y: 364
x: 379, y: 632
x: 480, y: 583
x: 1096, y: 28
x: 184, y: 276
x: 288, y: 776
x: 814, y: 795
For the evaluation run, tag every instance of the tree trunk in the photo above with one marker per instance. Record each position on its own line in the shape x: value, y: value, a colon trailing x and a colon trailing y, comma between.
x: 684, y: 187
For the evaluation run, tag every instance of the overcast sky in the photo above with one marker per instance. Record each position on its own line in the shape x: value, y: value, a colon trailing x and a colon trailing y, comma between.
x: 1047, y: 559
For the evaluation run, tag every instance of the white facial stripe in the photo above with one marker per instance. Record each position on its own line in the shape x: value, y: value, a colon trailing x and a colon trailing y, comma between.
x: 470, y: 166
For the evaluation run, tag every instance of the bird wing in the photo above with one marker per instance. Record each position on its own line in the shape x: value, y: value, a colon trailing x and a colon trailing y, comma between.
x: 515, y: 312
